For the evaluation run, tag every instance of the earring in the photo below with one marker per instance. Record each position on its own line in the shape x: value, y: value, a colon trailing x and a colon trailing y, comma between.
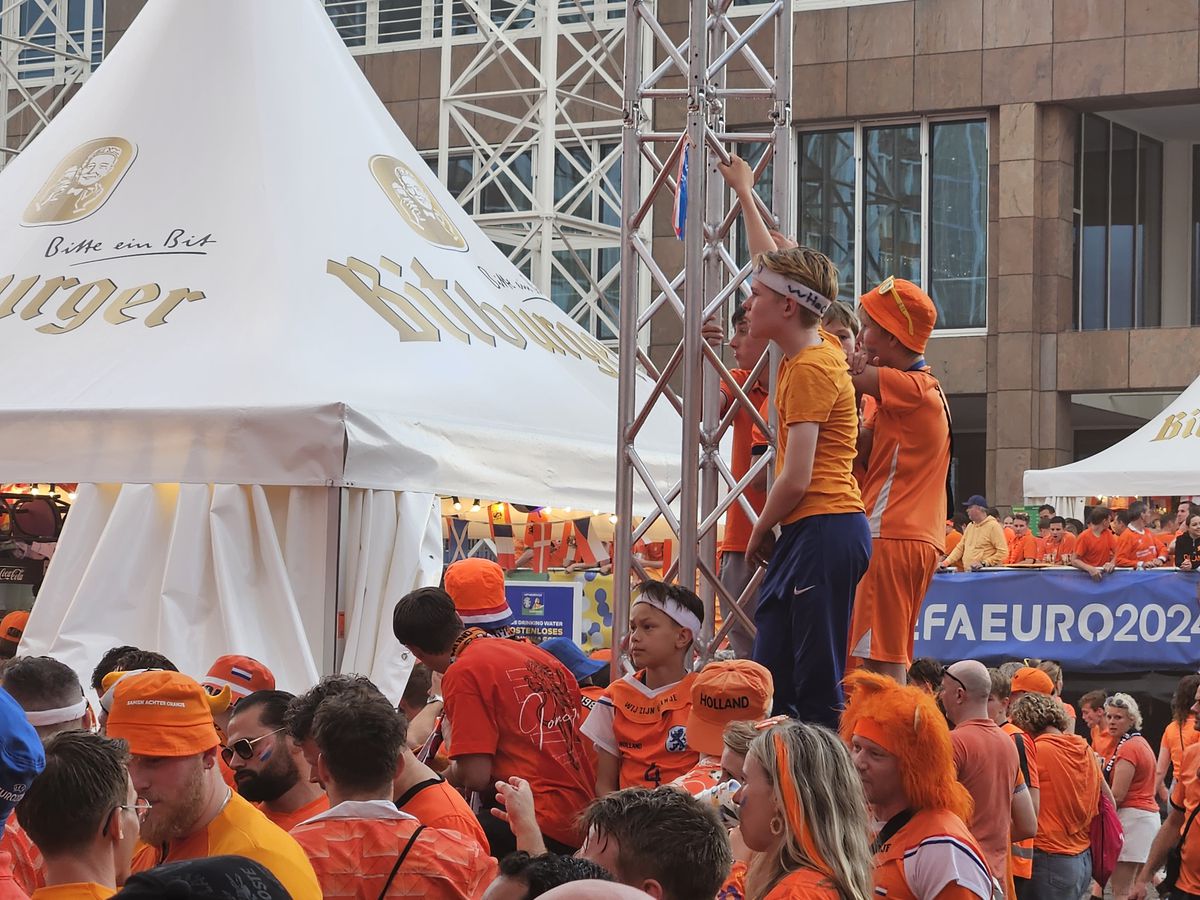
x: 777, y: 826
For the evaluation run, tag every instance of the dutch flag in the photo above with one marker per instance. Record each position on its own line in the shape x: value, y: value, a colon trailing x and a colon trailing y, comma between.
x: 681, y: 197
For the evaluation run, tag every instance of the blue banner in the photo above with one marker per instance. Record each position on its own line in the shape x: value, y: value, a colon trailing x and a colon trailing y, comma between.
x: 1126, y: 622
x: 545, y: 609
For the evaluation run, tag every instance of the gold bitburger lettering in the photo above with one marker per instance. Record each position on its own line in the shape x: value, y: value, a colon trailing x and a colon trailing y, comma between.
x: 425, y: 309
x: 77, y: 303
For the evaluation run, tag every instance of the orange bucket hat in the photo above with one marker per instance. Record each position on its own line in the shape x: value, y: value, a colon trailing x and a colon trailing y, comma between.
x: 903, y: 310
x: 163, y: 714
x: 734, y: 690
x: 476, y: 586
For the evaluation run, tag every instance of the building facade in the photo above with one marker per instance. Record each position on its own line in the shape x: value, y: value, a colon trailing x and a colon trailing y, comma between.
x: 1035, y: 164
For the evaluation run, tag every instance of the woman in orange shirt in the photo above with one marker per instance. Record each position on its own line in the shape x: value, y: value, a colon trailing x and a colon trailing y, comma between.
x: 804, y: 816
x: 1071, y: 783
x: 1130, y: 773
x: 1179, y: 734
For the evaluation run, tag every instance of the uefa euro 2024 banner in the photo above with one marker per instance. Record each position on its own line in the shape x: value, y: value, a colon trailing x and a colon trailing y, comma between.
x: 1128, y: 621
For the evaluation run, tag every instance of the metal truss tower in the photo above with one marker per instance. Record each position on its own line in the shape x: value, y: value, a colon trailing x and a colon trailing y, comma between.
x: 536, y: 98
x: 692, y: 76
x: 47, y: 49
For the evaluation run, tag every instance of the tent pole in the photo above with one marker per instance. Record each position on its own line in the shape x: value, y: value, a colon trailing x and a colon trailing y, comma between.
x: 334, y: 643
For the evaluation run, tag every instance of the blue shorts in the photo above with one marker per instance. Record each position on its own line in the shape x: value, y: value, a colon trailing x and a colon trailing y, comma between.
x: 803, y: 616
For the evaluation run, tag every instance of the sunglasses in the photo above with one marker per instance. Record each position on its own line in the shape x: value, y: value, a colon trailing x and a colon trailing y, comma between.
x: 948, y: 674
x: 888, y: 286
x: 245, y: 747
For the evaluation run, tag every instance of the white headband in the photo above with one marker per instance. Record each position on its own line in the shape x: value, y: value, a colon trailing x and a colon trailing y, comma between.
x: 811, y: 300
x: 40, y: 718
x: 680, y: 614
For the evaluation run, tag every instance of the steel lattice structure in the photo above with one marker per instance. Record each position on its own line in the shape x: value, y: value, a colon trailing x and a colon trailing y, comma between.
x: 45, y: 54
x: 708, y: 284
x: 542, y: 89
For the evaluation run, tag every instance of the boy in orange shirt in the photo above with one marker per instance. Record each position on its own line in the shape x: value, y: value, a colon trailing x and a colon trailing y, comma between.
x: 1058, y: 544
x: 511, y: 708
x: 1096, y: 547
x: 1024, y: 547
x: 906, y: 485
x: 639, y: 724
x: 823, y: 544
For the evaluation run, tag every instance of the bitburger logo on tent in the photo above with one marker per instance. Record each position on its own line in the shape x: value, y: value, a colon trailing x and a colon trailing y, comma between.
x: 81, y: 183
x: 413, y: 200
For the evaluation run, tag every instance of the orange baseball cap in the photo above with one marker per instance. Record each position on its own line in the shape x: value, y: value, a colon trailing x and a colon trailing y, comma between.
x: 243, y: 674
x: 733, y: 690
x: 903, y: 310
x: 12, y: 627
x: 162, y: 714
x: 476, y: 586
x: 1032, y: 681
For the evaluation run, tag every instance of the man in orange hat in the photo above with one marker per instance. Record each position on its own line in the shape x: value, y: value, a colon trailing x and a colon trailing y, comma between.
x: 238, y: 677
x: 166, y: 719
x: 907, y: 475
x: 733, y: 690
x: 902, y: 751
x: 12, y: 628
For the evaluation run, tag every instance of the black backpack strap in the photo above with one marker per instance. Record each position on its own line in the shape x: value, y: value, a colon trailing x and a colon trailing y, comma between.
x: 400, y: 861
x: 1019, y: 740
x: 1187, y: 827
x: 893, y: 825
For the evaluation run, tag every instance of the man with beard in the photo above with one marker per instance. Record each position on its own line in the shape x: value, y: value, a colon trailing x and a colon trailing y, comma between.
x: 268, y: 766
x: 166, y: 719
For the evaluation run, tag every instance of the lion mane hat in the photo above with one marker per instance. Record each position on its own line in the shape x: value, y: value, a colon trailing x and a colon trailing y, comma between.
x: 906, y: 722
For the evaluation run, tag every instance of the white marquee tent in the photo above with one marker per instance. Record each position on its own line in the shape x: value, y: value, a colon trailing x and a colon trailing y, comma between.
x: 1162, y: 458
x: 238, y: 308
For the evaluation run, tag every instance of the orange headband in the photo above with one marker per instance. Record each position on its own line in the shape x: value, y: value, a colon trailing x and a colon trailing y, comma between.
x: 873, y: 731
x: 791, y: 807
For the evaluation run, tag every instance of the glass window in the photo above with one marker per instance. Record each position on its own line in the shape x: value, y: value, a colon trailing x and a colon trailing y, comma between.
x: 506, y: 193
x: 502, y: 10
x: 752, y: 152
x: 1196, y: 235
x: 77, y: 29
x: 826, y: 200
x: 1118, y: 232
x: 891, y: 204
x: 349, y: 17
x: 958, y: 188
x: 461, y: 20
x: 399, y: 20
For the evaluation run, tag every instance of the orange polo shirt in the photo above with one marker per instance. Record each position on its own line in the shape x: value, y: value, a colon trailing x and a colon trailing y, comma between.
x: 288, y: 821
x: 438, y: 804
x: 1053, y: 551
x: 1022, y: 548
x: 814, y: 386
x: 1096, y: 550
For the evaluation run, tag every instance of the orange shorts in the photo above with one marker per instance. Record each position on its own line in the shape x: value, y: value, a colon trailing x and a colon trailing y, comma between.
x: 888, y: 600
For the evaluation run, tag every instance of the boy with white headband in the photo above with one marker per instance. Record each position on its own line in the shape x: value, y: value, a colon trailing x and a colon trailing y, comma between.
x: 639, y: 724
x: 823, y: 543
x: 50, y: 694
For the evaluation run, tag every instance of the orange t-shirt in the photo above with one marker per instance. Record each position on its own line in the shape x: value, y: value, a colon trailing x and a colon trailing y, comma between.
x: 905, y: 491
x: 933, y: 855
x: 646, y: 729
x: 1176, y: 742
x: 1096, y: 551
x: 988, y: 767
x: 1022, y: 548
x: 80, y: 890
x: 1134, y: 548
x: 438, y: 804
x: 737, y: 523
x: 1053, y: 551
x: 1070, y: 793
x: 28, y: 867
x: 1140, y: 795
x: 288, y: 821
x: 516, y: 703
x: 1185, y: 796
x: 814, y: 386
x: 354, y: 847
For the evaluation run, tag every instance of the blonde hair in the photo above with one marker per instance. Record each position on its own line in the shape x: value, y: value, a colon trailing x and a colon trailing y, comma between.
x: 831, y: 804
x: 807, y: 266
x: 1127, y: 703
x: 739, y: 735
x: 1034, y: 713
